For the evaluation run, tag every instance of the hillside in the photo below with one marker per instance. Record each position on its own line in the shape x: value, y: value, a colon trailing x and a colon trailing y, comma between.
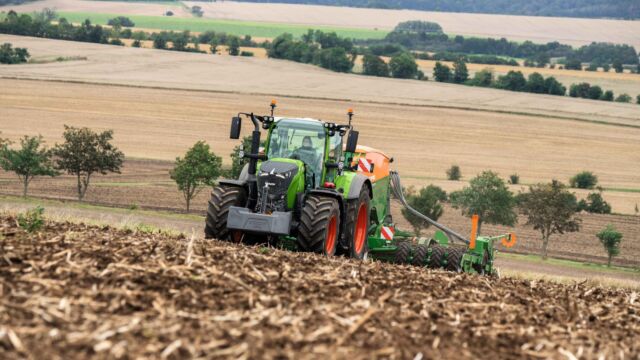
x: 623, y: 9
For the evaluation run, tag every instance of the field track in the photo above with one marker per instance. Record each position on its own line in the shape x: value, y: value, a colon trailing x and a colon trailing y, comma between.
x: 80, y: 291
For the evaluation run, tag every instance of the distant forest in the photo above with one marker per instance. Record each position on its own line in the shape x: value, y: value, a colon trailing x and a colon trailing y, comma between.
x: 621, y: 9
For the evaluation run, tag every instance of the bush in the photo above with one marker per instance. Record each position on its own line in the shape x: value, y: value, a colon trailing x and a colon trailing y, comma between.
x: 246, y: 53
x: 514, y: 179
x: 454, y: 173
x: 594, y: 203
x: 460, y: 72
x: 595, y: 93
x: 403, y: 66
x: 441, y: 73
x: 638, y: 99
x: 607, y: 96
x: 483, y: 78
x: 417, y: 26
x: 428, y: 202
x: 584, y: 180
x: 573, y: 64
x: 9, y: 55
x: 623, y: 98
x: 610, y: 239
x: 32, y: 220
x: 373, y: 65
x: 121, y: 21
x: 169, y: 13
x: 513, y: 80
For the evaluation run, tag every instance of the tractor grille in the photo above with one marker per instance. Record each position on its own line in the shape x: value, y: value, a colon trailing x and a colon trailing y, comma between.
x: 274, y: 179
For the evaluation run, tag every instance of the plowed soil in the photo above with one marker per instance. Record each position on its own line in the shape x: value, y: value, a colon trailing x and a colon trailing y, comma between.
x: 74, y: 291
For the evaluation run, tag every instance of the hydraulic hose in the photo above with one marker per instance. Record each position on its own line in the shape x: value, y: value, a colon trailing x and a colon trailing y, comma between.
x: 396, y: 188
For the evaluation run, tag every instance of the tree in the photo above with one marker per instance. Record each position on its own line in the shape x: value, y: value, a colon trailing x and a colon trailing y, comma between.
x: 160, y: 40
x: 594, y: 93
x: 121, y: 21
x: 580, y: 90
x: 335, y: 59
x: 403, y: 66
x: 460, y: 71
x: 623, y: 98
x: 535, y: 83
x: 9, y: 55
x: 607, y: 96
x: 594, y: 204
x: 442, y: 73
x: 617, y: 66
x: 85, y: 153
x: 554, y: 87
x: 487, y: 196
x: 181, y: 41
x: 199, y: 168
x: 374, y: 65
x: 551, y: 209
x: 453, y: 173
x: 482, y: 78
x: 234, y: 46
x: 31, y: 160
x: 513, y: 80
x: 610, y: 239
x: 584, y: 180
x: 213, y: 46
x: 428, y: 201
x: 573, y: 64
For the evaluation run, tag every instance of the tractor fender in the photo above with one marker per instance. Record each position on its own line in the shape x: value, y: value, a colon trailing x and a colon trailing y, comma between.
x: 356, y: 186
x: 336, y: 195
x: 241, y: 181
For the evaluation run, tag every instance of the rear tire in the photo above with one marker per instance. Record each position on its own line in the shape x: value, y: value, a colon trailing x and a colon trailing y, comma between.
x: 454, y: 259
x: 222, y: 198
x: 403, y: 252
x: 357, y: 225
x: 319, y: 228
x: 420, y: 255
x: 437, y: 255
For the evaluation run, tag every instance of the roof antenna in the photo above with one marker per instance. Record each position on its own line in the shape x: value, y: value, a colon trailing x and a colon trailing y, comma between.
x: 273, y: 106
x: 350, y: 113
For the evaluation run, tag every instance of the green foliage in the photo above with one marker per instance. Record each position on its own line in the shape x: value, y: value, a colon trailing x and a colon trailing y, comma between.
x: 623, y: 98
x: 460, y: 72
x: 551, y: 209
x: 197, y: 11
x: 483, y: 78
x: 594, y: 203
x: 327, y: 50
x: 513, y: 80
x: 607, y: 96
x: 487, y: 196
x: 30, y: 160
x: 514, y: 179
x: 335, y: 58
x: 85, y: 153
x: 417, y: 26
x: 441, y: 73
x: 610, y: 239
x: 427, y: 201
x: 595, y: 93
x: 25, y: 25
x: 638, y: 99
x: 536, y: 84
x: 237, y: 162
x: 573, y: 64
x: 9, y: 55
x: 121, y: 21
x: 32, y: 220
x: 374, y: 65
x: 234, y: 46
x: 403, y: 66
x: 617, y: 66
x: 246, y: 53
x: 584, y: 180
x: 200, y: 167
x: 554, y: 87
x: 454, y: 173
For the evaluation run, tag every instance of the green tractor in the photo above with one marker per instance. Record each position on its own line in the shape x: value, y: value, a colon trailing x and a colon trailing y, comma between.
x: 307, y: 191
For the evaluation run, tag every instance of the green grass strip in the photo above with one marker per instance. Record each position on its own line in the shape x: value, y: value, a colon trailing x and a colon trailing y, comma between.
x: 235, y: 27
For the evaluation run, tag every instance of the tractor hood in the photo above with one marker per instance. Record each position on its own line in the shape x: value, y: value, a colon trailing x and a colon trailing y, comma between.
x: 279, y: 180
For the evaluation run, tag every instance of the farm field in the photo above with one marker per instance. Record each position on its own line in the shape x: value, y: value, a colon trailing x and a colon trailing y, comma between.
x: 376, y: 21
x: 180, y: 297
x: 175, y: 70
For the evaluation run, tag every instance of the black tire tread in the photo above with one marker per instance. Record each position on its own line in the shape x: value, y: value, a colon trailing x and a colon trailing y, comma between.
x: 314, y: 220
x: 420, y: 255
x: 454, y: 259
x: 403, y: 252
x: 437, y: 255
x: 222, y: 198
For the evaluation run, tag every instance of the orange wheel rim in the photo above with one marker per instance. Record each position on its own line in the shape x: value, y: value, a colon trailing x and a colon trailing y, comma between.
x: 360, y: 234
x: 236, y: 236
x: 330, y: 241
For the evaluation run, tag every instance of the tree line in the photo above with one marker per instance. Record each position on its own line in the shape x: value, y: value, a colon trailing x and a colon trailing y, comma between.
x: 621, y: 9
x: 10, y: 55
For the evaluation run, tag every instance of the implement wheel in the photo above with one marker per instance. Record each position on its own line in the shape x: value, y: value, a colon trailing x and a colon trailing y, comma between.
x: 222, y: 198
x: 319, y: 225
x: 437, y: 256
x: 420, y: 255
x: 454, y: 259
x: 402, y: 253
x: 357, y: 225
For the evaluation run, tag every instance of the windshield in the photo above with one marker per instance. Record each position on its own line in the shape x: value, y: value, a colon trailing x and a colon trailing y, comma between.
x: 301, y: 140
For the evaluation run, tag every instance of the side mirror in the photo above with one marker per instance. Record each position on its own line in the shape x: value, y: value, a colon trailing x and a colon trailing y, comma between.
x: 352, y: 141
x: 236, y: 125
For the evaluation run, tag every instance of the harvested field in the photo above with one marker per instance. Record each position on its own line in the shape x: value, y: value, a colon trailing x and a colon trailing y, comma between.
x: 175, y: 70
x: 518, y: 28
x: 74, y: 291
x: 146, y: 184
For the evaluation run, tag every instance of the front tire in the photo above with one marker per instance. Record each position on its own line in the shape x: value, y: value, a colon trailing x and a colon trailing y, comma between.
x: 222, y: 198
x: 357, y: 225
x: 319, y: 225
